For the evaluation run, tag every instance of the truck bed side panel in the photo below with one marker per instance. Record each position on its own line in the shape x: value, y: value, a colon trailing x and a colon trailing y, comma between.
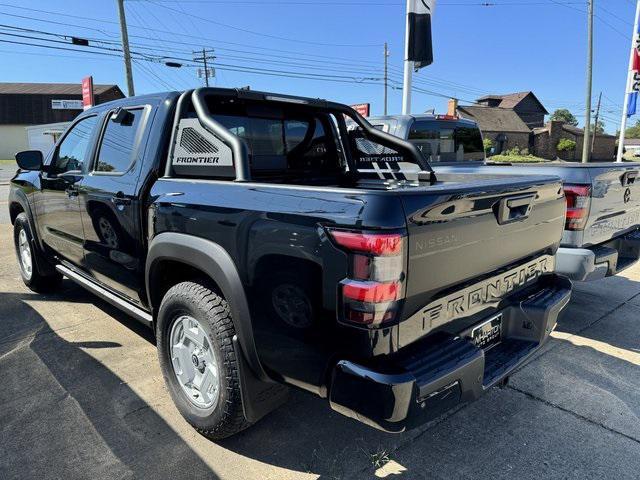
x: 615, y: 202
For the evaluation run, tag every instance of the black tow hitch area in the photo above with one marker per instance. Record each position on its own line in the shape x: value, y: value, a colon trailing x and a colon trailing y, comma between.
x: 433, y: 375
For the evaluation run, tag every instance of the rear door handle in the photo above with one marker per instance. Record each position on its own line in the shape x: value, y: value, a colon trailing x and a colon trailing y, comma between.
x: 120, y: 199
x: 514, y: 209
x: 628, y: 178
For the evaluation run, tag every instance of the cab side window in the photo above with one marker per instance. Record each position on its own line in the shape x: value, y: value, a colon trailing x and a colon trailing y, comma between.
x: 73, y: 150
x: 119, y: 142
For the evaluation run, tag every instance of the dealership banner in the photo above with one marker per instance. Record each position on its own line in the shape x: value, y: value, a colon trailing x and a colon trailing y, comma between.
x: 87, y: 92
x: 420, y: 44
x: 634, y: 87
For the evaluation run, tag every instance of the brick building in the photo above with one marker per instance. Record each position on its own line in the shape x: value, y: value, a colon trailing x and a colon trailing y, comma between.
x: 545, y: 141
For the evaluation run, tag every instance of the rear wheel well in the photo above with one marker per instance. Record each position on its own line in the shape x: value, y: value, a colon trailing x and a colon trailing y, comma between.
x: 15, y: 209
x: 167, y: 273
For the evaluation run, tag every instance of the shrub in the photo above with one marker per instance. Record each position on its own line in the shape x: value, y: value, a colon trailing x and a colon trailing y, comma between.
x: 515, y: 151
x: 488, y: 145
x: 566, y: 145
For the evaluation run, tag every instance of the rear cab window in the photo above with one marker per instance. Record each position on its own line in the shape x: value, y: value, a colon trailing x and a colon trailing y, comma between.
x: 446, y: 141
x: 285, y: 144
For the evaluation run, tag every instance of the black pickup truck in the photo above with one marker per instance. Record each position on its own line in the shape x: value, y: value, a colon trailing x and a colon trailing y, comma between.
x: 247, y: 230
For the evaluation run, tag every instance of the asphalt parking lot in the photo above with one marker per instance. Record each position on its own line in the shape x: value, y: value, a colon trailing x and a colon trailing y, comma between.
x: 82, y: 397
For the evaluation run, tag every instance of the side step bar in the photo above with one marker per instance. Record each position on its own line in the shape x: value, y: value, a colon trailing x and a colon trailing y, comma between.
x: 107, y: 296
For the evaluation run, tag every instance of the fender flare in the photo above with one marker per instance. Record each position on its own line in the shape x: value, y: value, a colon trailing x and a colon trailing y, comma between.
x: 18, y: 196
x: 214, y: 261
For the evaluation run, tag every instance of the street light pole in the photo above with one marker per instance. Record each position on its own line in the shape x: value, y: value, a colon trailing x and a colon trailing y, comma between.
x: 125, y: 48
x: 408, y: 68
x: 587, y: 116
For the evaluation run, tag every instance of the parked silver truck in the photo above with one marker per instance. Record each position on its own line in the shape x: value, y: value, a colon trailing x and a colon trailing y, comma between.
x: 602, y: 230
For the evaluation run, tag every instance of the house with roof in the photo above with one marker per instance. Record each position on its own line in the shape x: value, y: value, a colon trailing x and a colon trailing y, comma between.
x: 517, y: 120
x: 26, y: 104
x: 503, y: 126
x: 632, y: 146
x: 525, y: 105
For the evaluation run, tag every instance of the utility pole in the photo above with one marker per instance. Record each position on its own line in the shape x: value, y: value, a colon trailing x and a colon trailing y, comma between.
x: 408, y: 68
x: 595, y: 124
x: 206, y: 72
x: 386, y: 76
x: 587, y: 115
x: 627, y: 87
x: 125, y: 48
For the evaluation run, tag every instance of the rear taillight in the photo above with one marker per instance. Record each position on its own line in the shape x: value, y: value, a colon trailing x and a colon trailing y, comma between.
x: 578, y: 199
x: 372, y: 293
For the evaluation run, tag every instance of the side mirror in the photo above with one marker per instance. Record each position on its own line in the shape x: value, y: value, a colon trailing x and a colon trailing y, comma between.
x: 29, y: 160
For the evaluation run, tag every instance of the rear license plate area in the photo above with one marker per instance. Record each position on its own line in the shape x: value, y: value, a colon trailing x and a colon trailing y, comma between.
x: 487, y: 334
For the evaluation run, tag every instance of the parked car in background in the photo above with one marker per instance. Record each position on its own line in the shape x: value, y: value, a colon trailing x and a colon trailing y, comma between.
x: 251, y: 231
x: 601, y: 236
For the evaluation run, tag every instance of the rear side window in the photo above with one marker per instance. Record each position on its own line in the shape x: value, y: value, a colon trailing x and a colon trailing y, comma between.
x: 447, y: 141
x: 119, y: 142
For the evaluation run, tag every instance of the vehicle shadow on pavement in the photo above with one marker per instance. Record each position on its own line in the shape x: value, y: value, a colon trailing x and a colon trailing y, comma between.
x: 63, y: 414
x: 74, y: 418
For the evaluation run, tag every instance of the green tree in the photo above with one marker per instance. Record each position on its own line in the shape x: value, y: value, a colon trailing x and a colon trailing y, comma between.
x: 564, y: 115
x: 598, y: 128
x: 633, y: 131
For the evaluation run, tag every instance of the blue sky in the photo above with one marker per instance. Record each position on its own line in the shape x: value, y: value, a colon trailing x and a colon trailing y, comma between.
x: 514, y: 45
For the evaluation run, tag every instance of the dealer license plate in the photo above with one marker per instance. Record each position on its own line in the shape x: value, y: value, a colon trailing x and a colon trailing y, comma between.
x: 487, y: 334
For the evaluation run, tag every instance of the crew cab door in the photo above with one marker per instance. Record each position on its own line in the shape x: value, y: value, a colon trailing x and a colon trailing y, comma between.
x: 56, y: 204
x: 109, y: 203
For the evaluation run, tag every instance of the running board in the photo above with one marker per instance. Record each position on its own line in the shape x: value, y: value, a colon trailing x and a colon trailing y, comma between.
x: 107, y: 296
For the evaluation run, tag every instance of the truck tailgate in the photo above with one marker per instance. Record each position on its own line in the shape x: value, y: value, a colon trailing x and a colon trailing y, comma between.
x: 473, y: 234
x: 615, y: 201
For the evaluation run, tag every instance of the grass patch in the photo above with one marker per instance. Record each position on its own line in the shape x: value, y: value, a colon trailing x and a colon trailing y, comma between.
x: 516, y: 159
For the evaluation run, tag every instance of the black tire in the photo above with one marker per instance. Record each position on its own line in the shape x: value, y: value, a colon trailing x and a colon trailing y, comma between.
x: 35, y: 279
x: 197, y: 300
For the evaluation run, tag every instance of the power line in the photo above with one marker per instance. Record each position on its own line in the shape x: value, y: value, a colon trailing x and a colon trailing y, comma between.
x: 260, y: 34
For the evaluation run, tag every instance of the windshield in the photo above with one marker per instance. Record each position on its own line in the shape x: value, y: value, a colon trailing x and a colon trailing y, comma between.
x: 447, y: 141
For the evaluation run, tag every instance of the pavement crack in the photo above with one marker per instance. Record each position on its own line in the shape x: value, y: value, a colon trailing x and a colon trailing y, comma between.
x: 429, y: 426
x: 136, y: 410
x: 574, y: 414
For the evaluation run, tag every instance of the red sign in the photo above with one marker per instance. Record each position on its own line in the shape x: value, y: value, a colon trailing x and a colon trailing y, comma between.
x: 87, y: 92
x: 363, y: 109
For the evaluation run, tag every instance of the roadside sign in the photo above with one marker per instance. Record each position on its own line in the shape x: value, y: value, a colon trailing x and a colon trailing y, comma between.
x: 66, y: 105
x: 363, y: 109
x: 87, y: 92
